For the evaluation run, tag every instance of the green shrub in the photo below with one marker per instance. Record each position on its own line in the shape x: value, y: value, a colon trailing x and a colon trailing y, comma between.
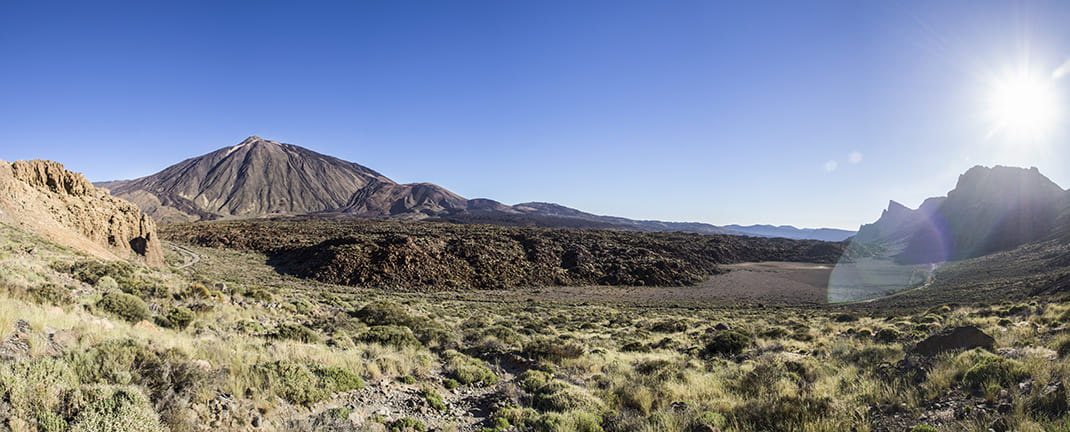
x: 660, y: 370
x: 710, y: 418
x: 407, y: 424
x: 845, y: 317
x: 250, y: 327
x: 180, y: 317
x: 124, y: 409
x: 51, y: 294
x: 305, y: 385
x: 554, y: 350
x: 450, y: 383
x: 924, y: 428
x: 727, y: 343
x: 339, y: 414
x: 516, y: 416
x: 302, y: 306
x: 385, y: 313
x: 561, y: 396
x: 337, y: 379
x: 638, y: 347
x: 408, y: 379
x: 887, y: 335
x: 90, y: 272
x: 258, y: 294
x: 390, y: 335
x: 106, y: 283
x: 467, y: 370
x: 296, y: 332
x: 434, y: 400
x: 126, y: 306
x: 532, y: 379
x: 48, y: 421
x: 994, y: 370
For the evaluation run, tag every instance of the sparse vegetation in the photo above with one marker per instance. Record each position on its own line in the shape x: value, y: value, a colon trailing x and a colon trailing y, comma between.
x: 285, y: 353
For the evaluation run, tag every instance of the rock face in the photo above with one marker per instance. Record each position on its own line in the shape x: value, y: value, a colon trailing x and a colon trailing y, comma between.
x: 990, y: 210
x: 958, y: 338
x: 44, y: 198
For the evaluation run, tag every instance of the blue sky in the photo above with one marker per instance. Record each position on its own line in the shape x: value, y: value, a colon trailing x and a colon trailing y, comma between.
x: 803, y: 113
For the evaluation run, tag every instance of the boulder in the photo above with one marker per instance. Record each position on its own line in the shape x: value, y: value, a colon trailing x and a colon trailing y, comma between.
x: 958, y: 338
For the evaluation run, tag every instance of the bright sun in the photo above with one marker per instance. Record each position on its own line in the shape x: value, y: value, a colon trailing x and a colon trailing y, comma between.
x: 1024, y: 107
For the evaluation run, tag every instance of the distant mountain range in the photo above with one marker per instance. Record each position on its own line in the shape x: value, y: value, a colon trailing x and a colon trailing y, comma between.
x: 788, y: 231
x: 261, y: 178
x: 990, y: 210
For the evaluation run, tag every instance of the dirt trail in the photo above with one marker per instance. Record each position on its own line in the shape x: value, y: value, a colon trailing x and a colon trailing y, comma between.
x: 193, y: 257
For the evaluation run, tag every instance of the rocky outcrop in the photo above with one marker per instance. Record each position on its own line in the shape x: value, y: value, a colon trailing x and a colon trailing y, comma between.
x: 44, y: 198
x: 990, y: 210
x: 958, y: 338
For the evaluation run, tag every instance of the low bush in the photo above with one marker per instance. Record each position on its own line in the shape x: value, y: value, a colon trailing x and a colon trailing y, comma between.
x: 887, y: 335
x: 117, y: 409
x: 297, y: 332
x: 180, y: 317
x: 727, y: 343
x: 407, y: 424
x: 385, y: 313
x: 554, y: 350
x: 126, y: 306
x: 51, y: 293
x: 389, y: 335
x: 561, y: 396
x: 994, y: 370
x: 532, y: 379
x: 306, y: 385
x: 467, y: 370
x: 433, y: 399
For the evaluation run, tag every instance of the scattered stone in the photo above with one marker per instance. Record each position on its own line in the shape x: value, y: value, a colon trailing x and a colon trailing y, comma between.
x: 256, y: 422
x: 1030, y: 351
x: 722, y: 326
x: 702, y: 427
x: 958, y: 338
x: 1051, y: 400
x: 999, y: 425
x: 17, y: 345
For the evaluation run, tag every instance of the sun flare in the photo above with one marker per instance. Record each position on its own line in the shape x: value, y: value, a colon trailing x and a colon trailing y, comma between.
x: 1024, y: 106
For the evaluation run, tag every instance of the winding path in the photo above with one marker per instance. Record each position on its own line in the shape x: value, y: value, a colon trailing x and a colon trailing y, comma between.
x: 193, y: 257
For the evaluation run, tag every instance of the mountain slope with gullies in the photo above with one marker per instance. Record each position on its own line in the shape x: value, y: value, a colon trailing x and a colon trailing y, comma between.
x: 43, y: 198
x: 252, y: 179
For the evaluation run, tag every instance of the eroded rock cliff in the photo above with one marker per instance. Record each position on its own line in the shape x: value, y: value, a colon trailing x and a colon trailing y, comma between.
x: 44, y: 198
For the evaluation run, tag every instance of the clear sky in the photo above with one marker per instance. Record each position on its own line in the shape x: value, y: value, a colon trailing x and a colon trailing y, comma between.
x: 795, y: 112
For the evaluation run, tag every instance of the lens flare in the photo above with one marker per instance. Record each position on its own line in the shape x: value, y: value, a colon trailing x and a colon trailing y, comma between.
x: 1023, y: 106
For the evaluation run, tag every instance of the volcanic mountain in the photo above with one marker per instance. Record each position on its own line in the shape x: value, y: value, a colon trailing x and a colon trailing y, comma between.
x: 990, y: 210
x: 260, y: 178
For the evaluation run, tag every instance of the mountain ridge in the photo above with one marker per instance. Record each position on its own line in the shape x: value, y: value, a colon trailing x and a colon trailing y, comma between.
x: 262, y: 178
x: 989, y: 210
